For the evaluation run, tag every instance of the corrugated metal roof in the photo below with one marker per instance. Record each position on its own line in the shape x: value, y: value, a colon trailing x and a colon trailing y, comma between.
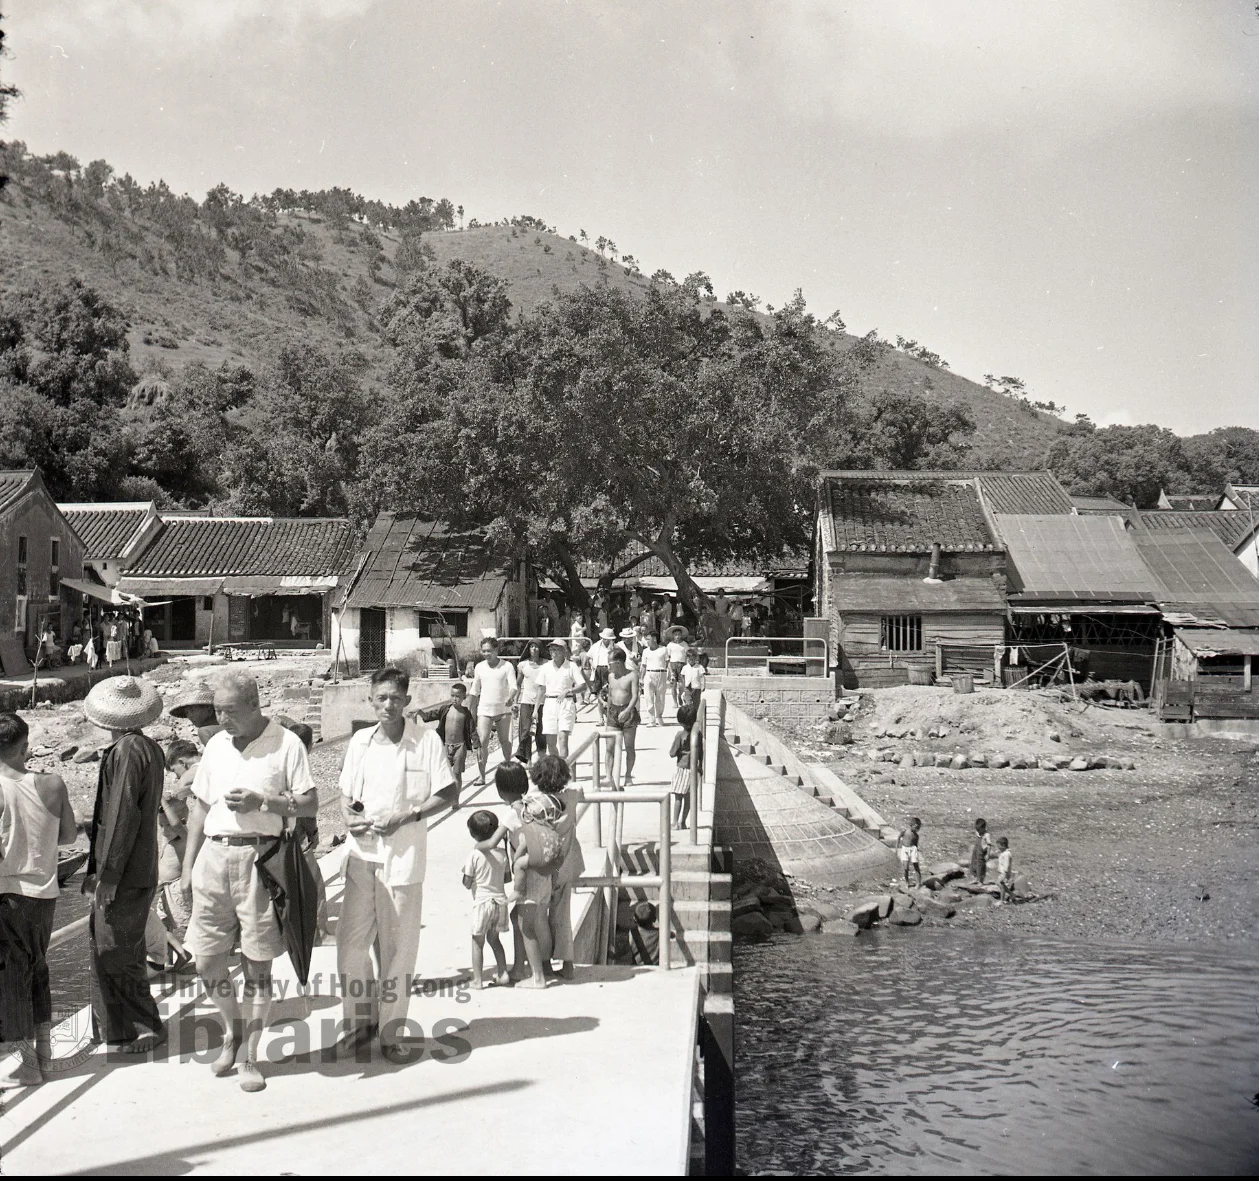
x: 12, y: 486
x: 1197, y: 570
x: 107, y: 529
x: 1230, y: 526
x: 409, y: 562
x: 904, y: 512
x: 1099, y: 504
x: 873, y: 593
x: 1083, y: 558
x: 250, y: 546
x: 1219, y: 641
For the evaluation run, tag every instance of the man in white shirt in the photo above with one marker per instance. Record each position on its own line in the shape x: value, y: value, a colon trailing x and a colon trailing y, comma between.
x: 599, y: 652
x: 655, y: 668
x: 252, y: 775
x: 677, y: 658
x: 395, y: 775
x: 494, y: 687
x: 557, y: 686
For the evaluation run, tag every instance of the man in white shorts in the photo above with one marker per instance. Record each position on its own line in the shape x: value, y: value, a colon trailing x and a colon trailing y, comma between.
x: 557, y: 684
x: 494, y: 687
x: 252, y: 775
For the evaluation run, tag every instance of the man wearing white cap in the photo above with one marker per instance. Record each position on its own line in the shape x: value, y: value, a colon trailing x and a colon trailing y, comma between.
x: 557, y: 684
x: 599, y: 653
x: 122, y: 864
x: 253, y: 774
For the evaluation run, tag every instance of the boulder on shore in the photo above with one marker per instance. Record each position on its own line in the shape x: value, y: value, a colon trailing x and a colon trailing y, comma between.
x: 959, y: 762
x: 86, y: 755
x: 864, y: 914
x: 837, y: 734
x: 1079, y: 763
x: 810, y: 924
x: 905, y: 918
x: 827, y: 911
x: 753, y: 926
x: 933, y: 907
x: 1047, y: 764
x: 745, y: 905
x: 942, y: 760
x: 998, y: 761
x: 947, y: 871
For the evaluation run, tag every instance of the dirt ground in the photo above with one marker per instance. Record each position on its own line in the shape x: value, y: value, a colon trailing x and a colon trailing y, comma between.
x: 1125, y: 855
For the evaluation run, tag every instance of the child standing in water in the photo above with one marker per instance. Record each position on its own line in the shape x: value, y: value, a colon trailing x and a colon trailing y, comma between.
x: 907, y: 850
x: 979, y: 851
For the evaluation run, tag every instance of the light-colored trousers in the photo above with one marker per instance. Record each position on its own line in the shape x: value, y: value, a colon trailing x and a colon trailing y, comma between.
x: 370, y: 910
x: 653, y: 690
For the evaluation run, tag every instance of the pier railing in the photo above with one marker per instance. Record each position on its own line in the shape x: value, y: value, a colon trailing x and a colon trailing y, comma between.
x: 809, y: 656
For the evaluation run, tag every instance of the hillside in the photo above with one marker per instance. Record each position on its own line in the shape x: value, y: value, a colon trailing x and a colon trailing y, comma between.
x: 236, y: 296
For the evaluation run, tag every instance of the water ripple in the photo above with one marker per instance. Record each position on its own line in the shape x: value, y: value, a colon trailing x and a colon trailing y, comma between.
x: 951, y: 1052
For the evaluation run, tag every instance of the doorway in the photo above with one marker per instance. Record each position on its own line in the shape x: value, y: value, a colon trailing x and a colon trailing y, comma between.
x: 371, y: 639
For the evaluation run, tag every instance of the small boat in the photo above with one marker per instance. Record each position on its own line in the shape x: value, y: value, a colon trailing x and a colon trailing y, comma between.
x: 68, y: 864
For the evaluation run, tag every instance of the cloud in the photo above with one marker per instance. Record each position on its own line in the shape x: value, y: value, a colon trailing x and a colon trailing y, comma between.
x: 928, y: 68
x: 1121, y: 416
x: 180, y: 26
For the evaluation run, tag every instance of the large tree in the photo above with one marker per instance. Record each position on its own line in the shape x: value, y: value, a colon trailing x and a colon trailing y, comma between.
x: 1131, y: 463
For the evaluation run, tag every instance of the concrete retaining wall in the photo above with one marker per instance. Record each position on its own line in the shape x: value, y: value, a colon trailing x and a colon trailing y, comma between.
x: 345, y: 702
x: 1239, y: 729
x: 789, y: 699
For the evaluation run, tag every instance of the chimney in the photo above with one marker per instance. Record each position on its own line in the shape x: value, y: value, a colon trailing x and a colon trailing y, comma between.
x: 933, y: 571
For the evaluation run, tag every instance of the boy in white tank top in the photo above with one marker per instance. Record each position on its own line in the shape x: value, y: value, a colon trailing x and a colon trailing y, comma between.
x: 35, y: 817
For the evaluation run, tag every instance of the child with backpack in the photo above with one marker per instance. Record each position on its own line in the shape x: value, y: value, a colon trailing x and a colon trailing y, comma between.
x: 484, y: 873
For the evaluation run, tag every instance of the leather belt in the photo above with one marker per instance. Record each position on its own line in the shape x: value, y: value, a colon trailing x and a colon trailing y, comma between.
x: 226, y: 840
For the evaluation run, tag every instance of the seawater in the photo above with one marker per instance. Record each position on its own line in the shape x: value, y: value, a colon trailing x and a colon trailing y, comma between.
x: 935, y: 1051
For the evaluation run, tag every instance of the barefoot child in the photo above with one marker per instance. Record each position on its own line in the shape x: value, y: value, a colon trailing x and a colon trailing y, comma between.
x: 1005, y: 869
x: 456, y: 727
x: 484, y: 873
x: 907, y: 850
x: 681, y: 752
x: 979, y: 851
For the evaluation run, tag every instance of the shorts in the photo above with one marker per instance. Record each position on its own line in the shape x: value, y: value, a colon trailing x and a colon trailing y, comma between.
x: 489, y: 914
x: 456, y: 756
x: 675, y: 672
x: 229, y: 900
x: 614, y: 723
x: 173, y: 908
x: 559, y: 715
x: 908, y: 855
x: 538, y: 887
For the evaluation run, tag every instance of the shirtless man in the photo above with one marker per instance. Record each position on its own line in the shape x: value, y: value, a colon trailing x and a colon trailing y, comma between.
x: 620, y: 712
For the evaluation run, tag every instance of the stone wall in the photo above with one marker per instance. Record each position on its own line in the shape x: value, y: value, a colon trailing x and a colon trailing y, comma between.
x: 787, y: 699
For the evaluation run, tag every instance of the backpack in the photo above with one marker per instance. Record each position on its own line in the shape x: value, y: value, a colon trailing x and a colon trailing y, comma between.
x: 543, y: 842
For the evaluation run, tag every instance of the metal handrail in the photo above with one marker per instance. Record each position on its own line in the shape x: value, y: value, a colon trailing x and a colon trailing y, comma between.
x: 697, y: 741
x: 804, y: 641
x: 663, y: 881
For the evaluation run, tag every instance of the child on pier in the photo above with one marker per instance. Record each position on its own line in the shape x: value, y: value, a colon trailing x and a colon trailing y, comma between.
x: 979, y: 851
x: 1005, y: 869
x: 681, y: 752
x: 484, y: 873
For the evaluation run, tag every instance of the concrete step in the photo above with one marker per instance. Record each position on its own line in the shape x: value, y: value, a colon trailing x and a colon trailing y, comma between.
x: 702, y: 887
x: 703, y: 947
x: 694, y: 915
x: 719, y: 979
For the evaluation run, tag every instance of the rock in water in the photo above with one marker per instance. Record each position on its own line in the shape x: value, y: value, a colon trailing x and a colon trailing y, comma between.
x: 827, y: 911
x: 748, y: 904
x: 810, y: 924
x: 794, y: 926
x: 864, y: 914
x: 1079, y: 763
x: 905, y: 918
x: 933, y: 908
x: 754, y: 926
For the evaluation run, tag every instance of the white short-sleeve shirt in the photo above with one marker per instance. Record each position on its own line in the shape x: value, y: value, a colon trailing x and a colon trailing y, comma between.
x: 273, y: 763
x: 528, y: 674
x: 493, y: 688
x: 693, y: 676
x: 677, y: 652
x: 392, y: 778
x: 655, y: 660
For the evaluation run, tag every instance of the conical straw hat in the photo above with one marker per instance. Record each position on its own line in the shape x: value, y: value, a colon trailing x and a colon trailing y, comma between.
x: 122, y: 703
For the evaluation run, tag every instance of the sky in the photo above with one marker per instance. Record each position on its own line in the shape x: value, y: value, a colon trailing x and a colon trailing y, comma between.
x: 1062, y: 192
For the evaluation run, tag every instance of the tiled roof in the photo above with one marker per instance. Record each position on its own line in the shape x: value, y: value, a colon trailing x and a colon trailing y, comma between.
x: 788, y: 565
x: 1023, y: 492
x: 107, y: 529
x: 1243, y: 495
x: 1099, y: 504
x: 1192, y: 503
x: 276, y: 547
x: 1230, y: 526
x: 12, y: 485
x: 1084, y: 558
x: 875, y: 593
x: 409, y: 562
x: 903, y: 512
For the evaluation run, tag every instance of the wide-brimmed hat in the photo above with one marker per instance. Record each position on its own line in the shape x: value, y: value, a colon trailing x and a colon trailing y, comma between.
x: 607, y: 634
x: 678, y: 629
x: 196, y: 693
x: 558, y: 642
x: 122, y: 703
x: 628, y: 633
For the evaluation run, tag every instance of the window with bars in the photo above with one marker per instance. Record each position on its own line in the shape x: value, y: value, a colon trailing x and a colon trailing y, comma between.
x: 901, y: 633
x: 54, y: 569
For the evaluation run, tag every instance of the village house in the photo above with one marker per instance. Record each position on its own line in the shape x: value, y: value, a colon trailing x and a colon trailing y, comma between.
x: 114, y: 534
x: 421, y: 591
x: 911, y: 571
x: 42, y: 557
x: 209, y: 581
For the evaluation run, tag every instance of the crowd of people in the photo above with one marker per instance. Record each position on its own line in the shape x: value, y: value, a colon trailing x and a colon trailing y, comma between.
x: 177, y: 837
x: 909, y: 854
x: 111, y: 638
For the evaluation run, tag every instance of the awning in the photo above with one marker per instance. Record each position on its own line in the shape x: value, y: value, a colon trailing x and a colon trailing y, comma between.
x: 260, y: 585
x: 732, y: 584
x: 169, y: 588
x: 1083, y: 609
x: 1219, y: 641
x: 111, y: 595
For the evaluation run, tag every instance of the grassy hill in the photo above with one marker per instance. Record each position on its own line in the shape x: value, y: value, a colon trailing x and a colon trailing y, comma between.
x: 214, y: 296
